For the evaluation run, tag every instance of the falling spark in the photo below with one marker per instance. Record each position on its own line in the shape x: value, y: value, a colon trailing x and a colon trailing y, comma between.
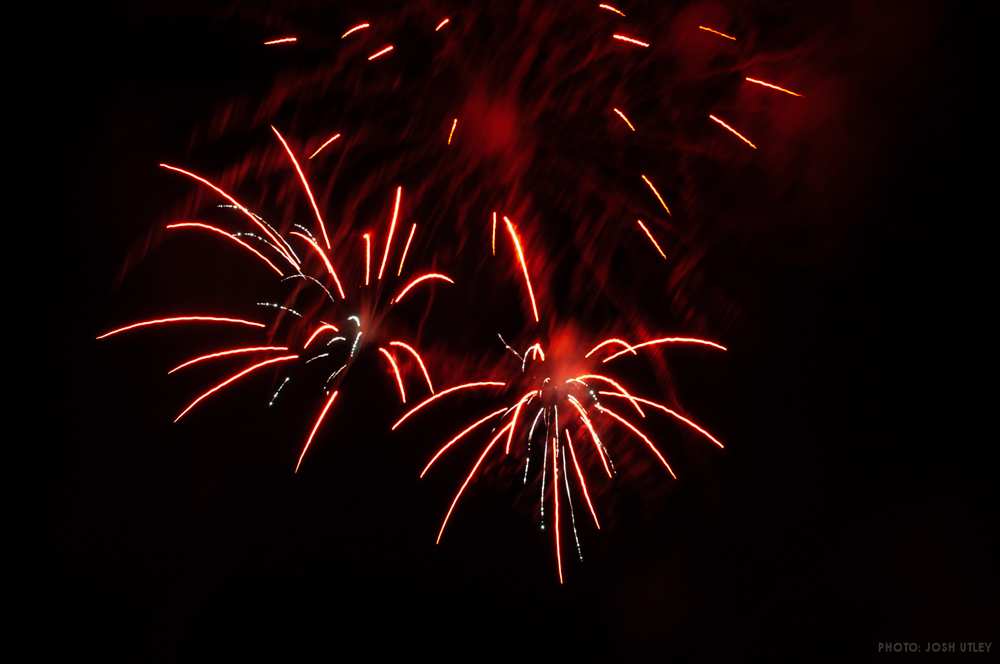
x: 651, y: 238
x: 368, y: 255
x: 392, y: 229
x: 442, y: 24
x: 323, y: 327
x: 219, y: 231
x: 630, y: 40
x: 617, y: 386
x: 421, y: 279
x: 226, y: 353
x: 650, y: 184
x: 464, y: 432
x: 180, y: 319
x: 326, y: 261
x: 281, y: 40
x: 667, y: 340
x: 395, y: 369
x: 734, y: 132
x: 420, y: 362
x: 716, y: 32
x: 612, y: 9
x: 583, y: 482
x: 305, y: 185
x: 325, y: 143
x: 620, y: 342
x: 674, y: 414
x: 524, y: 265
x: 454, y: 123
x: 443, y: 393
x: 232, y: 379
x: 622, y: 116
x: 493, y: 236
x: 312, y: 434
x: 360, y: 26
x: 555, y: 501
x: 406, y: 249
x: 593, y: 433
x: 773, y: 86
x: 641, y: 435
x: 380, y: 53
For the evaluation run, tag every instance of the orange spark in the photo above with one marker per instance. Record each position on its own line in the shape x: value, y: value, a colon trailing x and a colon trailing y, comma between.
x: 620, y: 342
x: 305, y: 185
x: 617, y: 386
x: 450, y: 390
x: 325, y: 143
x: 454, y: 123
x: 395, y: 369
x: 641, y: 435
x: 493, y: 235
x: 716, y: 32
x: 232, y: 379
x: 422, y: 278
x: 242, y: 208
x: 326, y: 261
x: 630, y: 40
x: 673, y: 414
x: 583, y: 482
x: 622, y: 116
x: 667, y: 340
x: 468, y: 479
x: 442, y: 24
x: 359, y: 26
x: 281, y: 40
x: 377, y: 54
x: 593, y: 433
x: 423, y: 368
x: 225, y: 353
x: 524, y: 265
x: 773, y: 86
x: 312, y: 434
x: 214, y: 229
x: 612, y: 9
x: 392, y: 229
x: 464, y: 432
x: 735, y: 133
x: 406, y: 248
x: 650, y: 184
x: 323, y: 327
x: 555, y: 500
x: 368, y: 255
x: 651, y: 238
x: 180, y: 319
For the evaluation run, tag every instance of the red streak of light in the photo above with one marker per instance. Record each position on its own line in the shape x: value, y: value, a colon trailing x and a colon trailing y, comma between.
x: 668, y: 340
x: 620, y: 342
x: 392, y: 229
x: 325, y: 143
x: 674, y: 414
x: 593, y: 434
x: 513, y: 421
x: 773, y: 86
x: 232, y: 379
x: 459, y: 437
x: 406, y: 249
x: 442, y: 24
x: 652, y: 239
x: 360, y: 26
x: 583, y: 482
x: 180, y: 319
x: 617, y: 386
x: 242, y: 208
x: 305, y: 185
x: 281, y: 40
x: 454, y: 123
x: 612, y: 9
x: 735, y: 133
x: 630, y: 40
x: 224, y: 353
x: 650, y: 184
x: 555, y: 500
x: 636, y: 431
x: 423, y: 368
x: 716, y: 32
x: 214, y: 229
x: 312, y: 434
x: 524, y: 265
x: 425, y: 277
x: 377, y: 54
x: 319, y: 330
x: 468, y: 479
x: 493, y: 235
x: 455, y: 388
x: 395, y: 369
x: 326, y: 261
x: 368, y: 255
x: 622, y: 116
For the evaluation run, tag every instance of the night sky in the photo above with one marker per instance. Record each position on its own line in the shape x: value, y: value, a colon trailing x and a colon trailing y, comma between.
x: 850, y: 506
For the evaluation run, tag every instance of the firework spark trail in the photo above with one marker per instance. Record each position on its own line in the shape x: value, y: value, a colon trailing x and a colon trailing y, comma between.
x: 630, y: 40
x: 395, y: 368
x: 350, y: 31
x: 368, y: 256
x: 772, y: 86
x: 323, y: 327
x: 656, y: 193
x: 641, y: 435
x: 733, y: 131
x: 380, y: 53
x: 312, y: 433
x: 281, y: 40
x: 313, y: 280
x: 432, y: 276
x: 493, y: 236
x: 226, y: 353
x: 274, y: 397
x: 454, y: 123
x: 593, y: 433
x: 625, y: 119
x: 524, y: 265
x: 716, y: 32
x: 583, y: 482
x: 443, y: 393
x: 320, y: 149
x: 569, y: 503
x: 406, y: 249
x: 179, y: 319
x: 513, y: 420
x: 231, y: 380
x: 442, y: 24
x: 275, y: 305
x: 392, y: 229
x: 420, y: 362
x: 674, y: 414
x: 656, y: 245
x: 555, y: 501
x: 305, y: 185
x: 667, y: 340
x: 326, y: 261
x: 219, y: 231
x: 464, y: 432
x: 613, y: 340
x: 616, y: 385
x: 611, y: 9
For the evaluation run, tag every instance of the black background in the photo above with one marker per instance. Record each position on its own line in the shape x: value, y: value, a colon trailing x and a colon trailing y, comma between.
x: 852, y: 506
